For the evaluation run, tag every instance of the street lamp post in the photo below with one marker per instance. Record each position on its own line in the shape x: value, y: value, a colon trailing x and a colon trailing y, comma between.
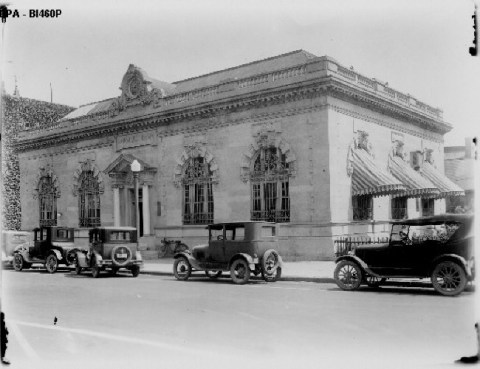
x: 135, y: 167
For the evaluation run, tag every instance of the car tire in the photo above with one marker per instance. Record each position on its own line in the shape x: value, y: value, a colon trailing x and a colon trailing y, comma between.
x: 135, y: 271
x: 18, y: 262
x: 51, y: 263
x: 240, y: 271
x: 348, y: 275
x: 71, y: 257
x: 273, y: 277
x: 95, y: 271
x: 449, y: 278
x: 182, y: 268
x: 213, y: 274
x: 373, y: 281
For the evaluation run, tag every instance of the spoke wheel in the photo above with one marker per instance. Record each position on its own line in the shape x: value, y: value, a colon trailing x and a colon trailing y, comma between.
x: 348, y: 275
x: 51, y: 263
x: 449, y: 278
x: 135, y: 270
x: 374, y: 282
x: 213, y: 274
x: 18, y: 262
x: 182, y: 269
x: 240, y: 272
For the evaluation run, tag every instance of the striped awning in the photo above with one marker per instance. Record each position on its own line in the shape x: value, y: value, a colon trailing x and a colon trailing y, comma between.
x: 445, y: 185
x: 416, y: 185
x: 369, y: 179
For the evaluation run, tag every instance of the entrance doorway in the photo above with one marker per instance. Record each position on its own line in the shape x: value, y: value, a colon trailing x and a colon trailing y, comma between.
x: 133, y: 214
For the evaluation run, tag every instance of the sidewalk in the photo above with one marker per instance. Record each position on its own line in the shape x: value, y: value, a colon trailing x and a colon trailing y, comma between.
x: 305, y: 271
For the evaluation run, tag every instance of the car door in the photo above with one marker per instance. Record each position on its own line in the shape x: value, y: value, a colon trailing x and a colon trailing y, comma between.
x: 216, y: 246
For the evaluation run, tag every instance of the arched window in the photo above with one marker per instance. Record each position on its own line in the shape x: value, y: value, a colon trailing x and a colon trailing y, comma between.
x: 270, y: 186
x: 47, y: 199
x: 197, y: 192
x: 88, y: 199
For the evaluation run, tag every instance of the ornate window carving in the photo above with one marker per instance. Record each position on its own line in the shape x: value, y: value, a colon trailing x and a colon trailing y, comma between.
x: 47, y: 200
x: 269, y: 177
x: 197, y: 191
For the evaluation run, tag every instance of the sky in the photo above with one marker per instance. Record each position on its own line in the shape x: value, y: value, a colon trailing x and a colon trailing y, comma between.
x: 420, y: 47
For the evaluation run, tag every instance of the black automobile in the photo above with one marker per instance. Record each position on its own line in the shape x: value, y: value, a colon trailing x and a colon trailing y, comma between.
x: 51, y: 246
x: 241, y: 248
x: 439, y: 247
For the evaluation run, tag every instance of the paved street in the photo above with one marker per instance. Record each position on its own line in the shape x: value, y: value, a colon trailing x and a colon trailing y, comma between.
x: 157, y: 322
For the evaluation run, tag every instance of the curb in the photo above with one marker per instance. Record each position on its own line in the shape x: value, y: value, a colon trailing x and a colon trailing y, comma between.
x: 286, y: 278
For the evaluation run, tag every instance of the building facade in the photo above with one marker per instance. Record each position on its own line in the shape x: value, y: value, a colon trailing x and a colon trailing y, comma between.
x: 296, y: 139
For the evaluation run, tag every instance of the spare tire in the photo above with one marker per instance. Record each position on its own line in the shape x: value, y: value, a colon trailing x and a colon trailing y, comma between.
x: 270, y: 262
x: 121, y: 255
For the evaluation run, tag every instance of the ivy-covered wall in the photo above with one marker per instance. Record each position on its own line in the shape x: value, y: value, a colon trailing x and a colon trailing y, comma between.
x: 17, y: 114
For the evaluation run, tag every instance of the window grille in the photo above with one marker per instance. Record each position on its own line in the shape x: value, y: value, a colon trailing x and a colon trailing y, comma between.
x: 270, y: 186
x: 198, y: 192
x: 428, y: 207
x: 362, y: 207
x: 399, y: 208
x: 89, y: 200
x: 47, y: 195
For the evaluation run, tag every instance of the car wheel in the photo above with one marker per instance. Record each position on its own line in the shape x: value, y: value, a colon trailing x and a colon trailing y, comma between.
x: 95, y: 271
x: 51, y: 263
x: 277, y: 274
x: 18, y: 262
x: 240, y: 272
x: 182, y: 269
x: 348, y: 275
x: 121, y: 256
x: 449, y: 278
x: 71, y: 257
x: 135, y: 270
x: 373, y: 281
x: 213, y: 274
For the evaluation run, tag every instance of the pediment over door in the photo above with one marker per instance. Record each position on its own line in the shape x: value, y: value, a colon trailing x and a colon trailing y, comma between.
x: 121, y: 174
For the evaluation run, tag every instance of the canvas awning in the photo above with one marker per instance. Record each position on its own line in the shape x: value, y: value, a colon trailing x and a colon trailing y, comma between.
x: 416, y: 185
x: 369, y: 179
x: 445, y: 185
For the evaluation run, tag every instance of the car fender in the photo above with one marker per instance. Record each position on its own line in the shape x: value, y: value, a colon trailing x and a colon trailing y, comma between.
x: 360, y: 262
x: 454, y: 257
x: 82, y: 259
x: 57, y: 253
x: 251, y: 261
x: 188, y: 255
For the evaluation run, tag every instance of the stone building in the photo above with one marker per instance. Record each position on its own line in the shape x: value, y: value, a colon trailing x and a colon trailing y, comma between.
x: 297, y: 139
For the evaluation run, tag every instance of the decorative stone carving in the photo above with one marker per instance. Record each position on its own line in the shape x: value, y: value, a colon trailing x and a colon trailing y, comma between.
x: 47, y: 171
x: 87, y: 165
x: 265, y: 140
x: 360, y: 142
x: 398, y: 149
x: 194, y: 151
x: 429, y: 156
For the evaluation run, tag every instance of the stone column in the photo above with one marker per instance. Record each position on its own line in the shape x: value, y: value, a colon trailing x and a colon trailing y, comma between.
x: 146, y: 210
x: 116, y: 207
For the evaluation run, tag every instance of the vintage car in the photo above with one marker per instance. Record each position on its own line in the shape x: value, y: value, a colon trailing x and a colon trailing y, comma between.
x: 239, y: 247
x: 110, y: 248
x: 52, y: 246
x: 439, y: 247
x: 10, y: 241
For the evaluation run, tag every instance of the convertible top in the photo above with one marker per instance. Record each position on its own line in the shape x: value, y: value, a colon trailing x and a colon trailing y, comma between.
x: 438, y: 219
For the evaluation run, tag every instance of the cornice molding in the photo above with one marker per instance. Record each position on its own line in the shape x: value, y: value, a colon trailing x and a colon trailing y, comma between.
x: 397, y: 127
x: 253, y: 100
